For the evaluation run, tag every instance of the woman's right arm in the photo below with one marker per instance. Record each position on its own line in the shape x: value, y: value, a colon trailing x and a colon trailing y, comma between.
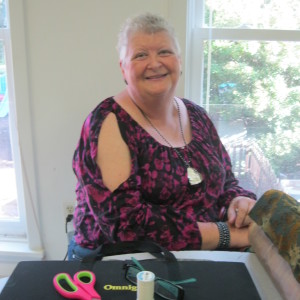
x: 114, y: 161
x: 113, y: 156
x: 111, y: 206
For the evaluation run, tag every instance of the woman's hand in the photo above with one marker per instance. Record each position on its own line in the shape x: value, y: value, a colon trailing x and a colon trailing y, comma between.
x: 238, y: 211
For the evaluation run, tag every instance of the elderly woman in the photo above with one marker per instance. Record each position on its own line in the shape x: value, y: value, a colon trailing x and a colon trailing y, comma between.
x: 151, y: 166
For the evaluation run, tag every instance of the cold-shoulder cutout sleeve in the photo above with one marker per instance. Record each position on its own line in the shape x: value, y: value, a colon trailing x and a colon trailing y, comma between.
x: 113, y: 157
x: 125, y: 214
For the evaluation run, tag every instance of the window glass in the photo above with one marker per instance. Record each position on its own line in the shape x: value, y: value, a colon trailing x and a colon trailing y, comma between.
x: 9, y: 211
x: 254, y: 101
x: 8, y: 190
x: 254, y: 14
x: 3, y: 18
x: 248, y: 79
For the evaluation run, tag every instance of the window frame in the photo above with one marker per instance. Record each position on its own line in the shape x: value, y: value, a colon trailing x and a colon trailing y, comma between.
x: 197, y: 34
x: 23, y: 239
x: 13, y: 228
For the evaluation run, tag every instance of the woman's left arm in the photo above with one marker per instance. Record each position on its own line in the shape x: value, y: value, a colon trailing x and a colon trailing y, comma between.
x: 238, y: 211
x: 231, y: 188
x: 238, y: 200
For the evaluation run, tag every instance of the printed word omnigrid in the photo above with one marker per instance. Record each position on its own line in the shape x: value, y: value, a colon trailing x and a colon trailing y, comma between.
x: 109, y: 287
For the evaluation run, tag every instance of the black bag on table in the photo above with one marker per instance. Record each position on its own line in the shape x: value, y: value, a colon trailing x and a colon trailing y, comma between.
x: 215, y: 280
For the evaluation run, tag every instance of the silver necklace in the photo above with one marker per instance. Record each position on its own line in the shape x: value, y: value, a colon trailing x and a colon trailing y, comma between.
x: 194, y: 176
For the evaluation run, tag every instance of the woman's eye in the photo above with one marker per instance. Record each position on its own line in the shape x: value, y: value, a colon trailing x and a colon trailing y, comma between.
x: 140, y: 55
x: 165, y: 52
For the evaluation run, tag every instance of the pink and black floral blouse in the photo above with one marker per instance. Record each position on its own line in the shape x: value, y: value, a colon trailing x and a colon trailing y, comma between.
x: 156, y: 202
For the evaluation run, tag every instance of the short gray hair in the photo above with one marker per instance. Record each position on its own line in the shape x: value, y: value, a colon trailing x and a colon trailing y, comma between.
x: 146, y: 23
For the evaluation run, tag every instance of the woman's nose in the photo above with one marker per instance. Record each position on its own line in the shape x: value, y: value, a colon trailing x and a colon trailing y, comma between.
x: 154, y: 61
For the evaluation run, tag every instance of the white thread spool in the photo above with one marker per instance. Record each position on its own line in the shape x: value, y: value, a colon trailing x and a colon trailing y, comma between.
x: 145, y: 285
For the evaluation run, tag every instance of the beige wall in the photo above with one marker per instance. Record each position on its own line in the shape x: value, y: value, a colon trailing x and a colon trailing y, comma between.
x: 68, y: 66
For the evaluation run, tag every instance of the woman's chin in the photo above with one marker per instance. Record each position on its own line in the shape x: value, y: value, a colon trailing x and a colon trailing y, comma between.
x: 157, y: 89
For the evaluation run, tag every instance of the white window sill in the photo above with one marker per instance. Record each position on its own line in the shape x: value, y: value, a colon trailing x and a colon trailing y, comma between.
x: 18, y: 250
x: 12, y: 252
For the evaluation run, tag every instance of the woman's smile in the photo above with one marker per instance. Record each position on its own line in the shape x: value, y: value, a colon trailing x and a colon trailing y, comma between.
x: 155, y: 77
x: 152, y: 65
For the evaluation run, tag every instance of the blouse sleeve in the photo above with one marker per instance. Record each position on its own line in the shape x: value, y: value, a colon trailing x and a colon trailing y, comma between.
x: 231, y: 188
x: 103, y: 216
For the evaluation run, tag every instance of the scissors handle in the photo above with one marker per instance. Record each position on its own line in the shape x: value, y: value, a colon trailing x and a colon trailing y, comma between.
x: 64, y: 284
x: 87, y: 280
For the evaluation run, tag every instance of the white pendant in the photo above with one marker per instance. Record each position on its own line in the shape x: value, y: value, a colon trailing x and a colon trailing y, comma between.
x: 194, y: 176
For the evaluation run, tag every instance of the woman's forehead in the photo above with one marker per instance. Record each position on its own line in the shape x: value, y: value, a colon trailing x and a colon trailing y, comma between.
x: 146, y: 39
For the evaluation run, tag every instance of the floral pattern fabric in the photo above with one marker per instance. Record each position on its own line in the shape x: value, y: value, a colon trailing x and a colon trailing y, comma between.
x: 156, y: 202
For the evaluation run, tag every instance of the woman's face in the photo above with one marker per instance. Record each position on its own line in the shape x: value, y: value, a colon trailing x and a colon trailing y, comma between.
x: 151, y: 65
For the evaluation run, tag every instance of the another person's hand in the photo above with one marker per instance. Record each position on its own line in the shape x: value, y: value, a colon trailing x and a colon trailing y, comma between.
x: 238, y: 211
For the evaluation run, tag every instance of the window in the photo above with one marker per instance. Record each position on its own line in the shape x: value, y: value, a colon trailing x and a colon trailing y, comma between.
x: 20, y: 237
x: 243, y: 60
x: 12, y: 218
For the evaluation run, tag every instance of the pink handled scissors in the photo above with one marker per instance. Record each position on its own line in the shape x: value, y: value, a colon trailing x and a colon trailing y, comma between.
x: 80, y: 287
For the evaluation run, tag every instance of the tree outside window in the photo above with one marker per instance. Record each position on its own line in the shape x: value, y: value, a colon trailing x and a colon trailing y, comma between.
x: 251, y: 87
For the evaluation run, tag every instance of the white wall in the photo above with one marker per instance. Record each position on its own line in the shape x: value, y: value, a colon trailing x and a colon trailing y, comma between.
x: 70, y: 65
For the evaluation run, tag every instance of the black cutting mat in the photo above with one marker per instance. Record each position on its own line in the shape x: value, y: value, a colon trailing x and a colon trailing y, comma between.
x: 215, y: 280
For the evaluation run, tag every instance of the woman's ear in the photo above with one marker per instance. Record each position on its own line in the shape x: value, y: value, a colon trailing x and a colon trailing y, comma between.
x: 180, y: 65
x: 122, y: 70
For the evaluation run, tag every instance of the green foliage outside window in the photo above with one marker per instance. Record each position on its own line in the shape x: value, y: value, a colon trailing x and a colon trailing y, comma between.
x: 259, y: 83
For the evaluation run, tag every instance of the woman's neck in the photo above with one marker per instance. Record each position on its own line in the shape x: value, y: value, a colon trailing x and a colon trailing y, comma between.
x: 155, y: 107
